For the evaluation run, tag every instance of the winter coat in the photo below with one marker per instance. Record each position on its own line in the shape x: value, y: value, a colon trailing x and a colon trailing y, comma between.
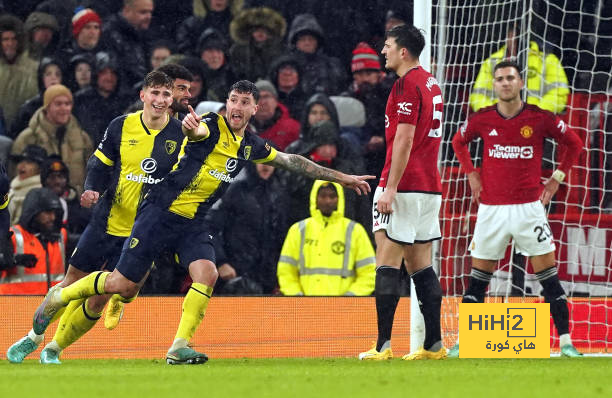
x: 327, y: 256
x: 251, y: 223
x: 282, y: 130
x: 296, y: 98
x: 18, y: 191
x: 95, y: 112
x: 71, y: 142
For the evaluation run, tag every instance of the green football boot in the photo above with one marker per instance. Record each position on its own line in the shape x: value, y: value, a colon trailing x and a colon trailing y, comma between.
x: 49, y: 357
x: 185, y: 356
x: 21, y: 349
x: 570, y: 351
x: 454, y: 351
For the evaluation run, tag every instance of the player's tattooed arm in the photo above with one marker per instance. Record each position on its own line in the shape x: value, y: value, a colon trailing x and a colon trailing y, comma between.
x: 301, y: 165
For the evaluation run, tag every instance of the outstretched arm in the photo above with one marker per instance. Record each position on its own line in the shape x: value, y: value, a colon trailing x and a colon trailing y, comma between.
x: 301, y: 165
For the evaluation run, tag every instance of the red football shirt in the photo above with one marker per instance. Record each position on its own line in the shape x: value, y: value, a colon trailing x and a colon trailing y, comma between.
x: 416, y: 99
x: 512, y: 151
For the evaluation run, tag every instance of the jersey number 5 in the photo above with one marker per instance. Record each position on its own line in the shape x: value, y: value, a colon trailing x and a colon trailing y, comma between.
x: 436, y: 123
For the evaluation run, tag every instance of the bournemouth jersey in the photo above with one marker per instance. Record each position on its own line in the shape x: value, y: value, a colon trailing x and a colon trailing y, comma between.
x: 512, y: 151
x: 416, y: 99
x: 140, y: 158
x: 207, y: 167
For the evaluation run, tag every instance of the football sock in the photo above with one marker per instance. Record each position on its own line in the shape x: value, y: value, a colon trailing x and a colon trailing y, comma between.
x: 429, y: 294
x: 555, y: 295
x: 72, y: 306
x: 479, y: 281
x: 37, y: 338
x: 58, y: 315
x: 81, y: 320
x: 87, y: 286
x: 194, y: 308
x: 387, y: 290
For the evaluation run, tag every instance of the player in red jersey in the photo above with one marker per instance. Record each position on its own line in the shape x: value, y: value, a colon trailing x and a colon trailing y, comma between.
x: 510, y: 195
x: 407, y: 200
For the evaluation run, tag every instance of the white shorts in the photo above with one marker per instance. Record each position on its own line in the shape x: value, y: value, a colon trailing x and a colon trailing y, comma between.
x: 526, y: 223
x: 415, y: 217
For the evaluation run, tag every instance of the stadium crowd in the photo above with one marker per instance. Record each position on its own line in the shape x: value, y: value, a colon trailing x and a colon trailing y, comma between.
x: 68, y: 68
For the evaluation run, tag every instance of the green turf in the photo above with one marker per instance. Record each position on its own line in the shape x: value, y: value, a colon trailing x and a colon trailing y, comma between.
x: 288, y: 378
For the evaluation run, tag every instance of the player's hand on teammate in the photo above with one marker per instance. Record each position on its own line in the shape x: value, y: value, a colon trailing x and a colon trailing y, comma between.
x: 358, y: 184
x: 385, y: 201
x: 475, y: 186
x: 550, y: 189
x: 89, y: 198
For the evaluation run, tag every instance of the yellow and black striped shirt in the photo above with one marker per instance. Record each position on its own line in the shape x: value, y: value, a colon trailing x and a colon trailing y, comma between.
x: 140, y: 158
x: 207, y: 167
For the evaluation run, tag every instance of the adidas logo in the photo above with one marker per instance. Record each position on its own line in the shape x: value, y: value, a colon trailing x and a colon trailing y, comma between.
x: 493, y: 133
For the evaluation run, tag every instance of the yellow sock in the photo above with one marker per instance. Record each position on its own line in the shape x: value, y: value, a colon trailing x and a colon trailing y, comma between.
x: 87, y: 286
x: 81, y: 320
x: 194, y: 308
x: 58, y: 315
x: 68, y: 310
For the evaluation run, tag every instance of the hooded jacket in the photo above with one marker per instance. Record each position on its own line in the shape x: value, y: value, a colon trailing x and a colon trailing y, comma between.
x: 327, y: 256
x: 18, y: 77
x: 282, y: 130
x: 296, y: 98
x: 251, y: 223
x: 39, y: 19
x: 49, y: 248
x: 71, y: 142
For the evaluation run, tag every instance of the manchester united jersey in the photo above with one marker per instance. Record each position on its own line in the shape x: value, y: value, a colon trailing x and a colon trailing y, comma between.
x: 512, y: 151
x: 416, y: 99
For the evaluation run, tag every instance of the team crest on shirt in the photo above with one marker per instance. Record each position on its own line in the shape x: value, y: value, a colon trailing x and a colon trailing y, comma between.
x: 267, y: 146
x: 247, y: 152
x: 170, y: 146
x: 134, y: 242
x: 526, y: 131
x: 338, y: 247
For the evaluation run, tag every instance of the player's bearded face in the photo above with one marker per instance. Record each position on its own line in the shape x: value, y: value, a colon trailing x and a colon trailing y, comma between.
x: 240, y: 108
x: 181, y: 95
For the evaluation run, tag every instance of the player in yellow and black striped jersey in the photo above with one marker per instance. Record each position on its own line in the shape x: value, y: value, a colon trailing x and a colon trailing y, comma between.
x: 137, y: 151
x: 171, y: 216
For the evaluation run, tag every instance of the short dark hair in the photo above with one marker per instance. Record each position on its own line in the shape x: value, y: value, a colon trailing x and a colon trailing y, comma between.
x: 245, y: 87
x: 156, y: 79
x: 408, y: 37
x: 507, y: 64
x: 176, y: 71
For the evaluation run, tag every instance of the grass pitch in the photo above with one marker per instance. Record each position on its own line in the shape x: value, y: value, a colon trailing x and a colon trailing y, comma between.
x: 289, y: 378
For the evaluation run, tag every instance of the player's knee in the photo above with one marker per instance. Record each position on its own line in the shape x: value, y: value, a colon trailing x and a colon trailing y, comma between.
x: 72, y: 275
x: 387, y: 281
x: 204, y: 271
x: 117, y: 283
x: 97, y: 303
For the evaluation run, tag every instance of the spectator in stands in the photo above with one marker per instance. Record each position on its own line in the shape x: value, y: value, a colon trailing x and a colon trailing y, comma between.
x: 42, y: 34
x: 54, y: 175
x: 327, y: 254
x: 27, y: 178
x: 320, y: 72
x: 80, y: 72
x: 285, y: 73
x: 17, y: 70
x: 258, y: 34
x: 160, y: 51
x: 86, y: 33
x: 50, y: 72
x: 323, y: 145
x: 212, y: 49
x: 547, y: 85
x: 54, y: 128
x: 215, y: 14
x: 371, y: 89
x: 96, y: 106
x: 272, y: 120
x: 125, y: 34
x: 254, y: 215
x: 39, y: 242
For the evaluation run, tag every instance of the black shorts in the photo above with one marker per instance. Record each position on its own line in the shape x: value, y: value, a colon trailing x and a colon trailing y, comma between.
x: 95, y: 249
x: 156, y: 230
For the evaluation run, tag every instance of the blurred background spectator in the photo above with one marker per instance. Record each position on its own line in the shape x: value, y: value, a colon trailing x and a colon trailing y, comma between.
x: 28, y: 167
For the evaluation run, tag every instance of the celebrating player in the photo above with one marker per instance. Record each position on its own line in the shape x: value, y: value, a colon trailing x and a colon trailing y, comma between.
x: 509, y: 193
x: 407, y: 200
x: 137, y: 151
x: 172, y: 215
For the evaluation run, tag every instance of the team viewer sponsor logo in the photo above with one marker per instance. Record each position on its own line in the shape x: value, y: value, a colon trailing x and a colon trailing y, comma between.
x: 511, y: 152
x: 504, y: 330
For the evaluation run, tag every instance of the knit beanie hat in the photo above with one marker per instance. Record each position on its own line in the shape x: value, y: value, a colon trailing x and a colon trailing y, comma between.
x: 266, y: 85
x: 53, y: 91
x: 53, y: 164
x: 81, y: 18
x: 364, y: 58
